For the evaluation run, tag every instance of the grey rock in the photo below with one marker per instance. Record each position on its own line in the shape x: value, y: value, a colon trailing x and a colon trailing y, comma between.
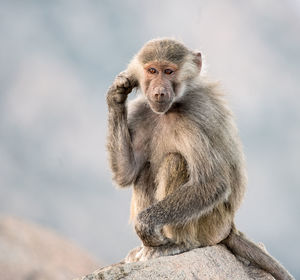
x: 209, y: 263
x: 31, y: 252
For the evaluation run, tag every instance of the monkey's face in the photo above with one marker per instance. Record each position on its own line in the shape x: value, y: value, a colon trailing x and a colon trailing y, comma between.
x: 160, y: 85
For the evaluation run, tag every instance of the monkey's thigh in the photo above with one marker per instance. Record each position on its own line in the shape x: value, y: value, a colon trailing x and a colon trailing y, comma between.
x: 172, y: 174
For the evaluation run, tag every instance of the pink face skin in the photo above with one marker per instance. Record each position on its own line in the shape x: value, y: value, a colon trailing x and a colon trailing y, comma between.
x: 160, y: 85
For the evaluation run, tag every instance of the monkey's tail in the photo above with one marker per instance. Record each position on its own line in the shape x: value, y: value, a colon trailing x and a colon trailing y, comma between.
x: 245, y: 248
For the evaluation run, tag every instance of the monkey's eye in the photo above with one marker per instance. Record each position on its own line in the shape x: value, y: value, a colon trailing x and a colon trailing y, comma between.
x: 152, y: 70
x: 168, y: 71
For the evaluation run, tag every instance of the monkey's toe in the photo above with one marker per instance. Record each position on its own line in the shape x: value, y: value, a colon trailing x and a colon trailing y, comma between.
x: 133, y: 255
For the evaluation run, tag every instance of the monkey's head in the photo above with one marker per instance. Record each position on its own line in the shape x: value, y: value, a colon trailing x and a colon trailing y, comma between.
x: 162, y: 68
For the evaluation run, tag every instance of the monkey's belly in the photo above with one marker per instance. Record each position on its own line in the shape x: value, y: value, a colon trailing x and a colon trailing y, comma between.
x: 207, y: 230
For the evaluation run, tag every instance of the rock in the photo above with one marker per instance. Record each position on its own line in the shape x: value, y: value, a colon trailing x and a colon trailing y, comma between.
x: 30, y: 252
x: 209, y: 263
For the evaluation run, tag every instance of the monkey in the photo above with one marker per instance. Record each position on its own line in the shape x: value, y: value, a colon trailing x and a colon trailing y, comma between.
x: 177, y: 144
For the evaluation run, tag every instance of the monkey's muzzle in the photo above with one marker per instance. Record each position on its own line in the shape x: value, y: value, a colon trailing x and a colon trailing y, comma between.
x: 160, y: 107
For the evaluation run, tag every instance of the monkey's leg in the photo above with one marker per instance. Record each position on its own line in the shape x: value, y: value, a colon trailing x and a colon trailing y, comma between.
x: 172, y: 174
x: 119, y: 145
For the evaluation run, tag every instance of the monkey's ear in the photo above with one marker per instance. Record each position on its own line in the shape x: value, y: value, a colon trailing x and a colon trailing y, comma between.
x: 198, y: 59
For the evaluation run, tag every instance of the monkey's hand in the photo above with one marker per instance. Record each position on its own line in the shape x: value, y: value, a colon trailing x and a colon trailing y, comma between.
x: 121, y: 87
x: 150, y: 234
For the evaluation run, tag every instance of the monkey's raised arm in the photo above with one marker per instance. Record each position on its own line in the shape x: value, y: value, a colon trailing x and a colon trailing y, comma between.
x: 119, y: 145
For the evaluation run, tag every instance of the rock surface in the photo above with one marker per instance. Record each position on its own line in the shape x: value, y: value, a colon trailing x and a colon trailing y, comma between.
x: 30, y: 252
x: 209, y: 263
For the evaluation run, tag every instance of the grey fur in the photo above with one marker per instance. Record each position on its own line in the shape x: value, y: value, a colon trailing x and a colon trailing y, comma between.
x: 186, y: 165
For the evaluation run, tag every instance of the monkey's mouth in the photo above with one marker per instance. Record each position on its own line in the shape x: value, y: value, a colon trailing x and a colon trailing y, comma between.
x: 160, y: 107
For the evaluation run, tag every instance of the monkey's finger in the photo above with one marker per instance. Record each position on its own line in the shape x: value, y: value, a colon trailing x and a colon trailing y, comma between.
x: 122, y: 82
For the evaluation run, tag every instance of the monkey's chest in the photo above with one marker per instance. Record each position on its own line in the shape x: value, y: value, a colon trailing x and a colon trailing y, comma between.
x: 163, y: 142
x: 153, y: 146
x: 167, y: 134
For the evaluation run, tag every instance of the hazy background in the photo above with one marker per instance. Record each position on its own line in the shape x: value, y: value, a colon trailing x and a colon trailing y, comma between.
x: 57, y: 58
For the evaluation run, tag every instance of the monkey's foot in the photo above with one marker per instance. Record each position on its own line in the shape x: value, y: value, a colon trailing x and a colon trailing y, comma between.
x: 132, y: 255
x: 144, y: 253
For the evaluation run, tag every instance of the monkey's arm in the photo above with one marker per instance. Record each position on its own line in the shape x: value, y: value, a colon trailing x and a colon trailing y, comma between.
x: 121, y: 156
x: 189, y: 201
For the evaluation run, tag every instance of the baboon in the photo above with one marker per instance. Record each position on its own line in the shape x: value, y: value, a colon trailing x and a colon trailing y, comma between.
x: 178, y: 145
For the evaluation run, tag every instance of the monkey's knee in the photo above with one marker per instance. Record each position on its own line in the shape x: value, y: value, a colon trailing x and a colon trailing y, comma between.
x: 174, y: 159
x: 172, y: 174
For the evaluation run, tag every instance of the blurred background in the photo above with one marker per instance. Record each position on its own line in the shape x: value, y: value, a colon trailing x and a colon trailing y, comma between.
x: 57, y: 59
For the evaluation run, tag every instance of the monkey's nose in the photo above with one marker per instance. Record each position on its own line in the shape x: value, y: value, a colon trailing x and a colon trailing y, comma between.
x: 159, y: 96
